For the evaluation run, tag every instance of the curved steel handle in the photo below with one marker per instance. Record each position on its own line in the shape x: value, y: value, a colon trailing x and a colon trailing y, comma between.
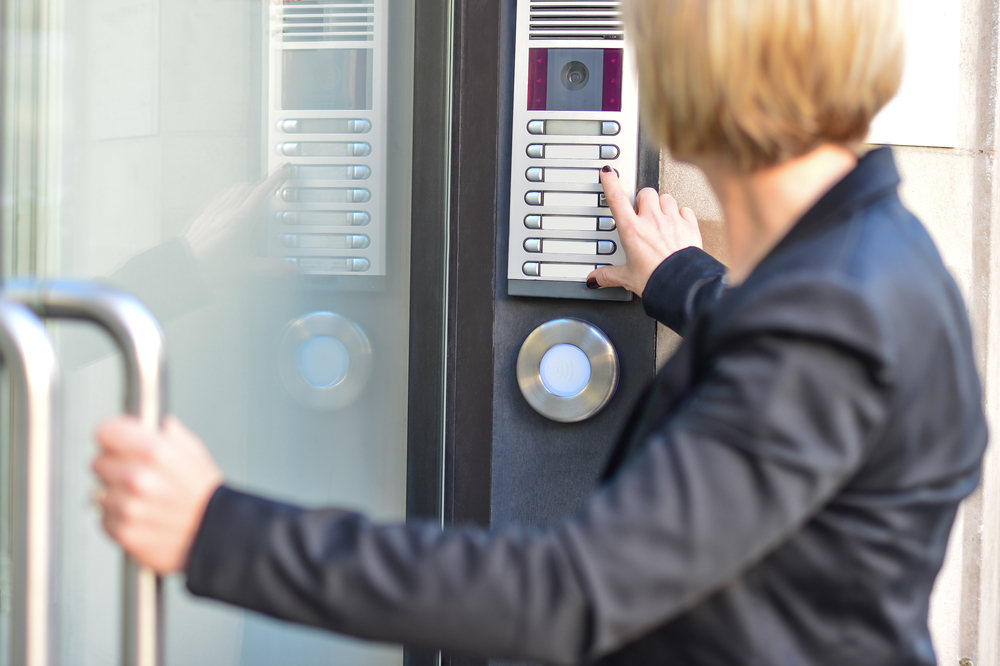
x: 141, y: 342
x: 27, y: 352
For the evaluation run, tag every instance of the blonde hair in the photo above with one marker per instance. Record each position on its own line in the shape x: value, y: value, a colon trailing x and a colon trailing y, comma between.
x: 753, y: 83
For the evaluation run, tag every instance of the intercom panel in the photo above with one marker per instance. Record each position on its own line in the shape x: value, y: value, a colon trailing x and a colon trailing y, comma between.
x: 326, y: 120
x: 575, y: 111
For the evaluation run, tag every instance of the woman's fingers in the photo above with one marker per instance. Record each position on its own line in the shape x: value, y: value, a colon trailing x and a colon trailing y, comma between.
x: 651, y: 231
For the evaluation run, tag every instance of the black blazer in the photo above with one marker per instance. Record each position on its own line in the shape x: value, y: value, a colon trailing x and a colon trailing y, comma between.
x: 783, y: 493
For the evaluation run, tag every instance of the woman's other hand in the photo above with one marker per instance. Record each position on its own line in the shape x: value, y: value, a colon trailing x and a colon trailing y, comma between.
x: 154, y: 489
x: 651, y: 232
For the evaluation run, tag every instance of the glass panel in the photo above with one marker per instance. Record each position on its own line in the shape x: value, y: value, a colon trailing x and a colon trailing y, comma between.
x: 146, y: 143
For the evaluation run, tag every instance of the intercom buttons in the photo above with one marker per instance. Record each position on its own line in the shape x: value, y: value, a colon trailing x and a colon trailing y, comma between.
x: 558, y: 270
x: 533, y: 198
x: 535, y: 174
x: 606, y: 223
x: 602, y: 200
x: 533, y: 221
x: 567, y: 370
x: 569, y: 246
x: 536, y: 127
x: 325, y: 148
x: 610, y: 128
x: 536, y: 150
x: 609, y: 152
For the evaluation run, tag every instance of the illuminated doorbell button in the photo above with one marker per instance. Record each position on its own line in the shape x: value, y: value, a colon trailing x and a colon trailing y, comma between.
x: 533, y: 221
x: 533, y: 198
x: 564, y: 370
x: 567, y: 370
x: 536, y: 127
x: 535, y: 174
x: 605, y: 224
x: 609, y: 152
x: 606, y: 247
x: 325, y: 360
x: 536, y: 150
x: 610, y: 128
x: 531, y: 268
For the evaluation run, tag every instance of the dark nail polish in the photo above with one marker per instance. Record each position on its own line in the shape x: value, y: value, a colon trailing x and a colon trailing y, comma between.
x: 606, y: 169
x: 592, y: 283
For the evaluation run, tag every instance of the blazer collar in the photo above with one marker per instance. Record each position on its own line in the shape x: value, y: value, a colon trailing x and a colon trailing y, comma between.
x: 873, y: 177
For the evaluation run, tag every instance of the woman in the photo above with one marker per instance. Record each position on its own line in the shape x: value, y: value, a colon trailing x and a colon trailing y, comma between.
x: 785, y: 488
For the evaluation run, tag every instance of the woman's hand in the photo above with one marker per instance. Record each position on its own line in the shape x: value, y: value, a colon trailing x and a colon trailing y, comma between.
x: 215, y: 226
x: 650, y: 233
x: 154, y: 489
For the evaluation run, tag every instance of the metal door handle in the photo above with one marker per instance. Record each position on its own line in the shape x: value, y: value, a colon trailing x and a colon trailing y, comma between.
x: 140, y: 340
x: 27, y: 352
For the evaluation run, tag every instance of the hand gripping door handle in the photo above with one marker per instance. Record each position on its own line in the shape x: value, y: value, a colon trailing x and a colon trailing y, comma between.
x: 140, y: 340
x: 26, y: 351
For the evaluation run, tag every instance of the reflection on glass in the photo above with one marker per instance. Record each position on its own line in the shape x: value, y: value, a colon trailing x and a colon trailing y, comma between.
x: 327, y: 79
x: 178, y: 176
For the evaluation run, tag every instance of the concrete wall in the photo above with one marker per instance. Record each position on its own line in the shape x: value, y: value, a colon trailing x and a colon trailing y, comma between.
x: 956, y: 192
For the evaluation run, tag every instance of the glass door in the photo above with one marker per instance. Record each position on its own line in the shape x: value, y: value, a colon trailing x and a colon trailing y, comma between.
x: 244, y: 168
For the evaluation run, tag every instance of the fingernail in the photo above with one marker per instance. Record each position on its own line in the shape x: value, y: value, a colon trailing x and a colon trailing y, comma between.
x: 592, y: 283
x: 606, y: 169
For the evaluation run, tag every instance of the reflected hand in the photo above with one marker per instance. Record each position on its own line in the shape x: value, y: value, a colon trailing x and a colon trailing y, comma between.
x: 228, y: 212
x: 154, y: 489
x: 651, y: 232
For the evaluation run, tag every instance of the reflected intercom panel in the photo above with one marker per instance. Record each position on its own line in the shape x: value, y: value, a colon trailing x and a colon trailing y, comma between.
x: 326, y: 120
x: 575, y: 110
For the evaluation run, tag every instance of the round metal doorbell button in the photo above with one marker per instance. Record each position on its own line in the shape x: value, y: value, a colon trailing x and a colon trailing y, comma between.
x: 567, y: 370
x: 326, y: 360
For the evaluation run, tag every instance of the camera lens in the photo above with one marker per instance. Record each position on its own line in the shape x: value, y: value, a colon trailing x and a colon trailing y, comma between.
x: 574, y: 75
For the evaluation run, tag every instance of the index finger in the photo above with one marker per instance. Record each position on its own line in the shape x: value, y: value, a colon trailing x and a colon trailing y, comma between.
x: 267, y: 187
x: 618, y: 201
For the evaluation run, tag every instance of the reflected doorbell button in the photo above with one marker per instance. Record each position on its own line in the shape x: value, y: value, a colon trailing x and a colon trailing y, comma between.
x: 567, y: 370
x: 325, y: 360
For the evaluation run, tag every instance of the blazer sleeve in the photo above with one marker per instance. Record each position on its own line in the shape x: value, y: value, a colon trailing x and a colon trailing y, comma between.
x: 778, y: 424
x: 682, y: 286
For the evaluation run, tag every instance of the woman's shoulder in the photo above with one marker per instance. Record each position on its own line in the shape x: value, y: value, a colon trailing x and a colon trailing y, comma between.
x: 871, y: 282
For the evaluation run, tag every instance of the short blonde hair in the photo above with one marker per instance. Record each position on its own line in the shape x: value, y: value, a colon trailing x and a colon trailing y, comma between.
x: 753, y: 83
